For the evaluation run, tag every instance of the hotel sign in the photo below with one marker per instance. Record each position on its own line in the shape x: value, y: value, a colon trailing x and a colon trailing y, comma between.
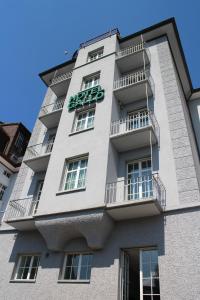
x: 86, y: 97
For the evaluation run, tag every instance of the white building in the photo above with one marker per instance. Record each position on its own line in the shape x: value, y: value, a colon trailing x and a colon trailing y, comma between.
x: 108, y: 202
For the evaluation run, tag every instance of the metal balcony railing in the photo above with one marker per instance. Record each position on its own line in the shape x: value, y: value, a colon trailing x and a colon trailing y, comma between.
x: 38, y: 150
x: 136, y: 189
x: 49, y: 108
x: 131, y: 79
x: 21, y: 208
x: 134, y: 122
x: 99, y: 37
x: 131, y: 50
x: 59, y: 78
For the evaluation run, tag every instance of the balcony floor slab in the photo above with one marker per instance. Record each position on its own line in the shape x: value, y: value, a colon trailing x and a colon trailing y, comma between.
x: 52, y: 119
x: 133, y: 139
x: 39, y: 163
x: 133, y: 92
x: 133, y: 209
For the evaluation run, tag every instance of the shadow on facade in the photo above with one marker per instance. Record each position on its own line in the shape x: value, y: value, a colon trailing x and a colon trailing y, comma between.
x: 138, y: 233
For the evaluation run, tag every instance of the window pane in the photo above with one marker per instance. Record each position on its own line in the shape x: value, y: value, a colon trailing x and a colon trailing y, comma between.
x: 35, y: 261
x: 67, y: 274
x: 25, y: 273
x: 81, y: 179
x: 33, y: 273
x: 74, y: 272
x: 147, y: 286
x: 20, y: 273
x: 83, y: 273
x: 155, y: 286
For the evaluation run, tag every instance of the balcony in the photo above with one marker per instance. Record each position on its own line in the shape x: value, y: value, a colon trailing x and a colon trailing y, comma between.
x: 140, y: 197
x: 60, y: 83
x: 50, y: 114
x: 133, y: 57
x: 133, y: 87
x: 136, y: 131
x: 20, y: 212
x: 37, y: 156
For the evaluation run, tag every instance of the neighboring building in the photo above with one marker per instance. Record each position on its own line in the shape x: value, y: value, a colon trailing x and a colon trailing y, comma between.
x: 107, y: 204
x: 14, y: 138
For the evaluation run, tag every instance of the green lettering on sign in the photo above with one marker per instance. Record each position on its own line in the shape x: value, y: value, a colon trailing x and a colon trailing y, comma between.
x: 92, y: 95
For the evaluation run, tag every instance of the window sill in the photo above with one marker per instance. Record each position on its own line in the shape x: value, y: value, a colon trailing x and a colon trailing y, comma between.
x: 70, y: 191
x: 22, y: 281
x: 80, y: 131
x: 73, y: 281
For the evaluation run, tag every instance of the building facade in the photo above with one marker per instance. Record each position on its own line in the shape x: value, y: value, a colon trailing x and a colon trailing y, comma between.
x: 14, y: 138
x: 107, y: 204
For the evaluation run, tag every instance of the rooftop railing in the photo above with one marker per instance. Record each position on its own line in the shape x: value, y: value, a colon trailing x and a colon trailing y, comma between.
x: 136, y: 189
x: 100, y: 37
x: 38, y: 150
x: 134, y: 122
x: 59, y: 78
x: 21, y: 208
x: 49, y: 108
x: 131, y: 79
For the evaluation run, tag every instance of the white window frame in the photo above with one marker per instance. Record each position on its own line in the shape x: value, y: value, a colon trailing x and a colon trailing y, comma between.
x: 95, y: 54
x: 139, y: 161
x: 79, y: 267
x: 151, y: 278
x: 87, y: 112
x: 30, y: 267
x: 94, y: 78
x: 2, y: 191
x: 79, y: 159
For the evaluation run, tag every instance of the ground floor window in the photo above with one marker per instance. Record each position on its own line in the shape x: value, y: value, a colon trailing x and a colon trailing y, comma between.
x: 27, y: 267
x: 139, y: 274
x: 77, y: 266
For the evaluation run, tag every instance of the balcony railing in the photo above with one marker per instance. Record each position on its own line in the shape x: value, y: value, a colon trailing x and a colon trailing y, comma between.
x: 57, y: 105
x: 131, y: 79
x: 134, y: 122
x: 136, y: 189
x: 131, y: 50
x: 21, y: 208
x: 38, y: 150
x: 61, y: 78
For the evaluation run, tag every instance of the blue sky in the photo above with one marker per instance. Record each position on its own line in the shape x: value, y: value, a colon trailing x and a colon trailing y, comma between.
x: 35, y: 33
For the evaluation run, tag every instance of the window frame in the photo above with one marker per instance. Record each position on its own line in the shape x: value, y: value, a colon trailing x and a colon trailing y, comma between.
x: 67, y: 162
x: 76, y: 120
x: 87, y: 78
x: 17, y: 267
x: 93, y: 52
x: 64, y: 266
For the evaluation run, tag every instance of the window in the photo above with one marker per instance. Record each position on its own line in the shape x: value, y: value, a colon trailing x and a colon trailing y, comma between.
x: 91, y: 81
x: 149, y: 274
x: 84, y: 120
x: 75, y: 174
x: 95, y: 54
x: 50, y: 142
x: 139, y: 180
x: 139, y: 274
x: 27, y: 267
x: 2, y: 190
x: 37, y: 196
x: 77, y: 267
